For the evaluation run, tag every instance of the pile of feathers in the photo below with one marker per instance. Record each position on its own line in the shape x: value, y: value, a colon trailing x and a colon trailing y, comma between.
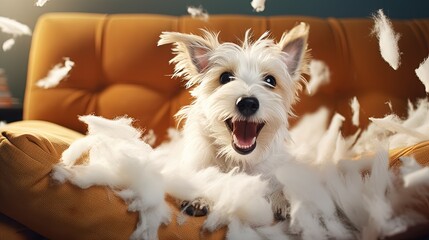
x: 331, y: 193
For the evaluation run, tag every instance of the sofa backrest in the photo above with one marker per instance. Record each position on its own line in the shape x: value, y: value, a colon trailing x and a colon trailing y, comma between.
x: 119, y: 70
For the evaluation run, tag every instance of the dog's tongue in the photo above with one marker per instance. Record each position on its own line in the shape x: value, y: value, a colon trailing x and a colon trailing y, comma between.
x: 244, y: 133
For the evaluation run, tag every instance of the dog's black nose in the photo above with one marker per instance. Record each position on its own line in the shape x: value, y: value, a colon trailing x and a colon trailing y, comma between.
x: 247, y: 105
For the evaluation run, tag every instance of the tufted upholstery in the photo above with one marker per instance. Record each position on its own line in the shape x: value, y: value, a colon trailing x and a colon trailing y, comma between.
x: 120, y: 70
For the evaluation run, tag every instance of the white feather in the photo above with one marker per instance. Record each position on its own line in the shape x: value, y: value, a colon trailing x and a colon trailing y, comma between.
x: 423, y: 73
x: 409, y: 165
x: 258, y: 5
x: 388, y: 39
x: 306, y: 134
x: 391, y: 123
x: 56, y: 74
x: 41, y: 3
x: 327, y: 145
x: 13, y: 27
x: 8, y: 44
x: 417, y: 178
x: 198, y: 12
x: 319, y: 76
x: 354, y: 104
x: 311, y: 203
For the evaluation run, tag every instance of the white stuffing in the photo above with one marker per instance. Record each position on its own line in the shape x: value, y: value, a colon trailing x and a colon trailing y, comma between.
x: 198, y: 12
x: 319, y: 76
x: 56, y: 74
x: 393, y: 124
x: 149, y: 137
x: 423, y: 73
x: 313, y: 214
x: 306, y: 134
x: 328, y: 143
x: 119, y: 158
x: 13, y: 28
x: 407, y: 131
x: 388, y: 39
x: 354, y: 104
x: 258, y: 5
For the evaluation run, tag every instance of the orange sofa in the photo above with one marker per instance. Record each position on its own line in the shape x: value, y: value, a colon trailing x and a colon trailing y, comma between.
x: 120, y: 70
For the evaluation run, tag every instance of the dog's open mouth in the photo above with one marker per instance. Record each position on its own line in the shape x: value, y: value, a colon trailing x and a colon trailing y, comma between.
x: 244, y: 135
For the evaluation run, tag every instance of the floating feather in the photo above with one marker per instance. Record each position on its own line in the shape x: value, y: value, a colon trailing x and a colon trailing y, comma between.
x: 56, y: 74
x: 13, y: 28
x: 258, y: 5
x: 319, y: 75
x: 354, y: 104
x: 8, y: 44
x: 388, y: 39
x: 41, y: 3
x: 198, y: 12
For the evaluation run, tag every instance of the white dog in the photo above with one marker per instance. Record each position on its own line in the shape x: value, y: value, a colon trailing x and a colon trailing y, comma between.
x: 243, y: 97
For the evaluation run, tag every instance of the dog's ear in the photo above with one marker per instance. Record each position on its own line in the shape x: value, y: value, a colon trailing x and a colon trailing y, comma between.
x: 294, y: 45
x: 192, y: 52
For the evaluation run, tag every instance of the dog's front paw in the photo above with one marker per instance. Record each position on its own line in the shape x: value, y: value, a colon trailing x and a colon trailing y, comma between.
x: 280, y: 206
x: 197, y: 208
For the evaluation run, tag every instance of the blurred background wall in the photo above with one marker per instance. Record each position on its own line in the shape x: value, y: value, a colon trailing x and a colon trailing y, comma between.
x: 14, y: 61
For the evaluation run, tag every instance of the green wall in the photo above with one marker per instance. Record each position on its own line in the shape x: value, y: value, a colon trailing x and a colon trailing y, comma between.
x: 15, y: 60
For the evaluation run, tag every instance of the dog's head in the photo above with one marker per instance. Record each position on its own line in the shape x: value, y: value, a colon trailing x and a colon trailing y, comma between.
x: 243, y: 94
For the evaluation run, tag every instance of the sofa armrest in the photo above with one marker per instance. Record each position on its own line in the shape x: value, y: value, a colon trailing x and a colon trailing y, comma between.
x: 28, y: 150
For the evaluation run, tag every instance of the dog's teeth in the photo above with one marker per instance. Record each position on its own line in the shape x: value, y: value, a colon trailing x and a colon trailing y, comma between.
x: 243, y: 146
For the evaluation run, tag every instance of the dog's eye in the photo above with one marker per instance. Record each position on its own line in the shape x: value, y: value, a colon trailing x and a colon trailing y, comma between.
x: 225, y: 77
x: 270, y: 80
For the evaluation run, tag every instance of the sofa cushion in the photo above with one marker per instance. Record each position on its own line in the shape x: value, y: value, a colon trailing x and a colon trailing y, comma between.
x: 28, y: 151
